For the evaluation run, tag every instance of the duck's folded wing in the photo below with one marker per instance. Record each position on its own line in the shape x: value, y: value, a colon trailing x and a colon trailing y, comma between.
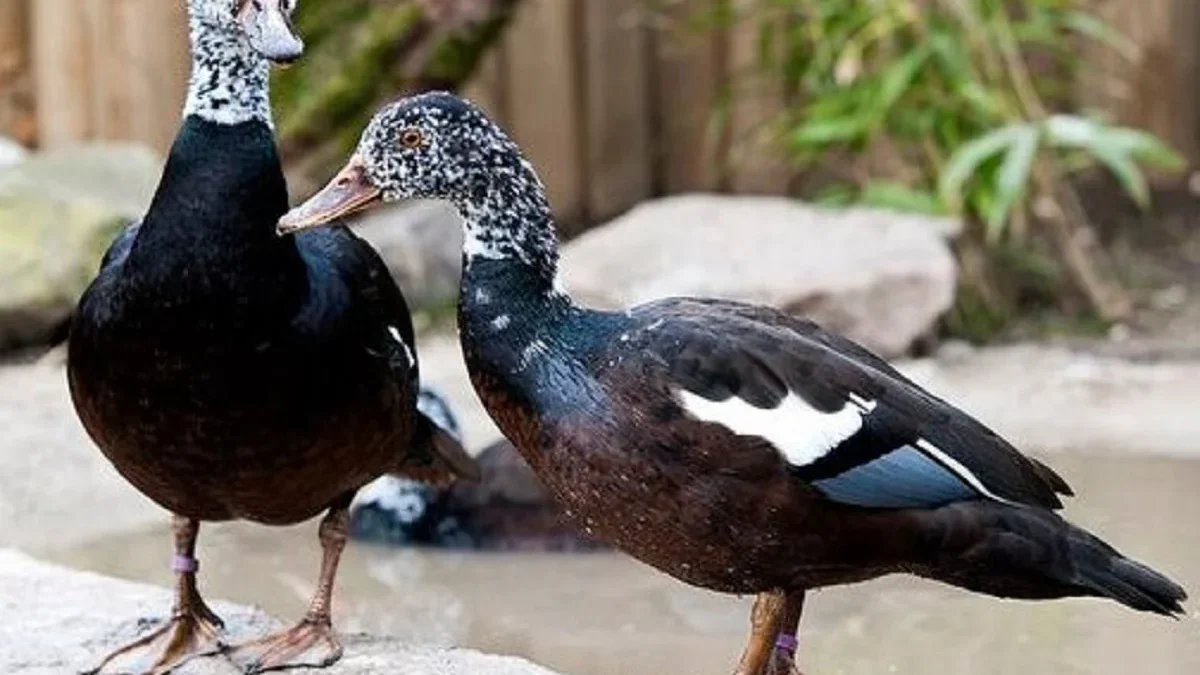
x: 842, y: 419
x: 119, y: 249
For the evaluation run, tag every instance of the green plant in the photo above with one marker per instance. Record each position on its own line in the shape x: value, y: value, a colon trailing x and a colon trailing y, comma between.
x: 959, y: 97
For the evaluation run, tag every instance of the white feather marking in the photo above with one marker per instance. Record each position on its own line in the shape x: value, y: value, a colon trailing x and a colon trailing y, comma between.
x: 959, y: 470
x: 801, y: 432
x: 476, y: 247
x: 501, y: 322
x: 399, y: 496
x: 533, y: 350
x: 395, y: 333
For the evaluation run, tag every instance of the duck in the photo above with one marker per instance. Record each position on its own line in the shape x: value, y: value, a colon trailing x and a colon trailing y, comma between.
x: 732, y: 446
x: 505, y: 510
x: 229, y: 374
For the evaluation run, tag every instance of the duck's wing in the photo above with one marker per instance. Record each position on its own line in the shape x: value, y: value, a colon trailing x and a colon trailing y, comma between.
x: 842, y: 419
x: 119, y: 249
x: 389, y: 334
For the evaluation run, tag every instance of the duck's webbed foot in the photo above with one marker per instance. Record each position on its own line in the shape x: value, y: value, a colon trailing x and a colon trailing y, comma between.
x: 193, y: 629
x: 308, y: 644
x: 188, y: 634
x: 311, y: 643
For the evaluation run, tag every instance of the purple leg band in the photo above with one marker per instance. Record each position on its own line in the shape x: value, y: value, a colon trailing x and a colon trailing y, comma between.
x: 787, y: 643
x: 184, y: 564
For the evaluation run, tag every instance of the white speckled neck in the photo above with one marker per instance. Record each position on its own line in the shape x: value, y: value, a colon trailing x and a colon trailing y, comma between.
x: 230, y: 80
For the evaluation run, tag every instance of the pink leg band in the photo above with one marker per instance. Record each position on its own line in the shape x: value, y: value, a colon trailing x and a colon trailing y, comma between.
x: 184, y: 564
x: 787, y: 643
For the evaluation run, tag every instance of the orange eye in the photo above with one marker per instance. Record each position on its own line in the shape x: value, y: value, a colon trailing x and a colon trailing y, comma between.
x: 411, y: 138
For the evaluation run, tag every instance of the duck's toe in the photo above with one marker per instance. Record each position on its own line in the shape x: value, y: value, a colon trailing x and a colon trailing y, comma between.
x: 310, y: 644
x: 187, y: 635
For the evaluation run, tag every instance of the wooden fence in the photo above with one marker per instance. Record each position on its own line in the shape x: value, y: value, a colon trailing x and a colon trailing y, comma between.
x: 611, y: 108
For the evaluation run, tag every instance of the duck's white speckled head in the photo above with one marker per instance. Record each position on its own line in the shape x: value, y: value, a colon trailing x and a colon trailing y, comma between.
x: 439, y: 146
x: 265, y: 24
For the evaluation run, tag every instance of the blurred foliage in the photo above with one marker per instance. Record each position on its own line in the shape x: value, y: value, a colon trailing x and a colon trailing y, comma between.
x: 966, y: 100
x: 363, y: 53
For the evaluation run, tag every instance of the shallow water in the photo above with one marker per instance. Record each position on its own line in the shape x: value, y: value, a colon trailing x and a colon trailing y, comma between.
x: 603, y: 614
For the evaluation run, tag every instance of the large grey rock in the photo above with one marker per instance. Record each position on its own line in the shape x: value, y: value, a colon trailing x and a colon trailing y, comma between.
x: 58, y: 214
x: 54, y: 620
x: 422, y: 246
x: 881, y: 278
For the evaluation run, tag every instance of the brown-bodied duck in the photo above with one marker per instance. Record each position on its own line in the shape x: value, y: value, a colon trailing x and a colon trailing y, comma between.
x: 732, y: 446
x: 228, y: 373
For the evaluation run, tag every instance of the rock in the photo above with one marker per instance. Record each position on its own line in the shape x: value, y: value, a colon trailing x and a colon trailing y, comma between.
x: 506, y: 510
x: 11, y: 153
x: 58, y: 214
x: 881, y: 278
x: 422, y: 246
x: 119, y: 177
x: 54, y: 620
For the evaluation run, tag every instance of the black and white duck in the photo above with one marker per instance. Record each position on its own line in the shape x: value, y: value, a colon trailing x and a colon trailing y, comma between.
x: 231, y: 374
x: 732, y: 446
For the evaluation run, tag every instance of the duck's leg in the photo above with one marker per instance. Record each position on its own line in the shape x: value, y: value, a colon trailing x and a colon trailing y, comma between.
x: 193, y: 629
x: 765, y: 621
x: 312, y: 642
x: 783, y: 657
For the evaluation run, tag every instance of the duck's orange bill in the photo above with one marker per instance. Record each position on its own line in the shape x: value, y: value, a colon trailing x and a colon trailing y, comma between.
x: 349, y: 192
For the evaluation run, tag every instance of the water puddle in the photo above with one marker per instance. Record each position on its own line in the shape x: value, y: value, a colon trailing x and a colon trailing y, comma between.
x: 603, y: 614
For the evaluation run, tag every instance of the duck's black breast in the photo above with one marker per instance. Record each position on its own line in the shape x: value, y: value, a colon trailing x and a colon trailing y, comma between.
x: 227, y: 372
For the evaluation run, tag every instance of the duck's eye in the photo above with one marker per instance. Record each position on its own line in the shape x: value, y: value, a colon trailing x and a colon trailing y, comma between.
x: 411, y: 138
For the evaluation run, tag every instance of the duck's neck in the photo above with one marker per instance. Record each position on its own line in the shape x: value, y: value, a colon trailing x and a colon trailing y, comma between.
x: 230, y: 80
x: 510, y: 252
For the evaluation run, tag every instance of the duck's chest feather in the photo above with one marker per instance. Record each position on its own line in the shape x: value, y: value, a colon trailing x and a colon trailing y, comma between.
x: 217, y: 365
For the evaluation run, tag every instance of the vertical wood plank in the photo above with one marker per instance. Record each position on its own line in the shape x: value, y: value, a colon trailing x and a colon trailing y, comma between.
x: 687, y: 93
x: 545, y: 116
x: 1161, y: 90
x: 145, y: 64
x: 756, y: 164
x: 617, y: 110
x: 16, y: 81
x: 488, y: 86
x: 63, y: 72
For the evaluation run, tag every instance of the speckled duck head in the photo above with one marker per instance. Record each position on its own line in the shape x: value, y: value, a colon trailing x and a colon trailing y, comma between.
x: 233, y: 44
x: 440, y: 146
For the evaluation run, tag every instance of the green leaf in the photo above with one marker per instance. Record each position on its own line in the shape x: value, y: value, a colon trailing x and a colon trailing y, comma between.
x: 900, y: 197
x: 1090, y: 26
x: 967, y: 159
x: 1146, y: 147
x: 898, y: 77
x: 828, y: 131
x: 1012, y: 179
x: 1126, y: 172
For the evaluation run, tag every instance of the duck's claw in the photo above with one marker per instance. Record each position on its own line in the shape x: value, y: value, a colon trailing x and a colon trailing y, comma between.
x: 308, y: 645
x: 192, y: 632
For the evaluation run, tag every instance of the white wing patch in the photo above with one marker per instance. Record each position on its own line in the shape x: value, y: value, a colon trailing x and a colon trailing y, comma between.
x: 799, y: 431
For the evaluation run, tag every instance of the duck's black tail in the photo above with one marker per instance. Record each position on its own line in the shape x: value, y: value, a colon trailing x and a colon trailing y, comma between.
x: 1031, y: 553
